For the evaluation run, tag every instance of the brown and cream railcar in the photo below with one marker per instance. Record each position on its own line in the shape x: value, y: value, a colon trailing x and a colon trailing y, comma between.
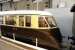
x: 27, y: 25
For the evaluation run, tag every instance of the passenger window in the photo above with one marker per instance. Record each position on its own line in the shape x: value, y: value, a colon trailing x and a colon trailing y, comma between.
x: 46, y: 22
x: 50, y: 21
x: 42, y: 22
x: 9, y: 20
x: 21, y: 21
x: 28, y: 21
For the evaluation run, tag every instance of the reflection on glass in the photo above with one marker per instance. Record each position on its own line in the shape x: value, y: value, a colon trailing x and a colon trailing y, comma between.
x: 9, y: 20
x: 21, y: 21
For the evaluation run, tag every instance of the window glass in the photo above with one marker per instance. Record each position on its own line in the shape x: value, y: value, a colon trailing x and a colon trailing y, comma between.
x: 9, y: 20
x: 28, y: 21
x: 21, y: 21
x: 46, y: 22
x: 50, y: 21
x: 42, y: 22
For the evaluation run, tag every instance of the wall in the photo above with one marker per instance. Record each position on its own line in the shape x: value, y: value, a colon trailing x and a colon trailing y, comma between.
x: 66, y: 3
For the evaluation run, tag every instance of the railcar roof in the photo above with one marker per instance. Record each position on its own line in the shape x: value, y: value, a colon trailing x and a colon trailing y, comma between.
x: 25, y: 12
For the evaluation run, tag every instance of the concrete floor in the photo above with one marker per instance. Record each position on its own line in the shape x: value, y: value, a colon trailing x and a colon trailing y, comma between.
x: 9, y: 46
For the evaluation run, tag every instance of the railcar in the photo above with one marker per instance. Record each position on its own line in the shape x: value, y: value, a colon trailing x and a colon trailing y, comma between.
x: 29, y: 25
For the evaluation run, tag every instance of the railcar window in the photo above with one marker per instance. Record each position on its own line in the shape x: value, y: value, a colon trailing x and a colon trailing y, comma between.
x: 28, y: 21
x: 42, y: 22
x: 21, y: 21
x: 50, y: 21
x: 9, y: 20
x: 46, y: 22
